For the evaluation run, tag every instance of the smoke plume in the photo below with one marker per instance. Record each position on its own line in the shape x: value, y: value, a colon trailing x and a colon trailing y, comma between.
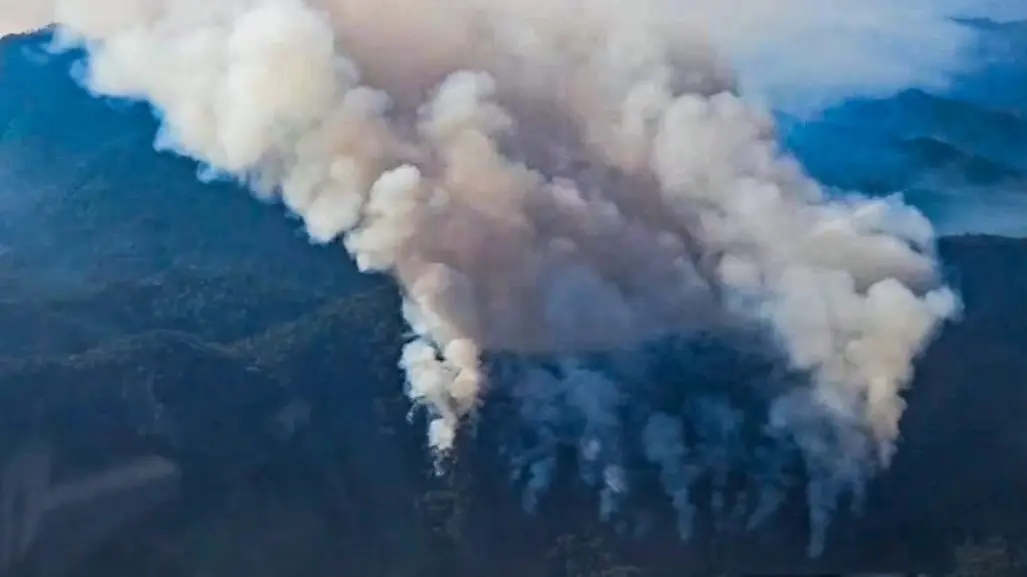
x: 555, y: 178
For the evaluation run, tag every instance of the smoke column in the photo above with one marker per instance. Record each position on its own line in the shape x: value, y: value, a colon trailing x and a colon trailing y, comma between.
x: 557, y: 178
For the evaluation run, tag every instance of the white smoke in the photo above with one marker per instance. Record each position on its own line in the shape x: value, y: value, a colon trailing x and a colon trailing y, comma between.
x: 553, y: 177
x: 830, y: 50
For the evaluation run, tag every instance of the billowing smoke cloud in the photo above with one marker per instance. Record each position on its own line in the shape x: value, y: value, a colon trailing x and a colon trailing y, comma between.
x: 869, y: 49
x: 557, y: 178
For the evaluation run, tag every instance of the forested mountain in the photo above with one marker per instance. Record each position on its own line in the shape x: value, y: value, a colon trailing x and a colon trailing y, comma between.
x: 149, y: 316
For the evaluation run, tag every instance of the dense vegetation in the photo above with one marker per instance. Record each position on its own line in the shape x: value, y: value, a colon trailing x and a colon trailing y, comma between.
x: 297, y: 458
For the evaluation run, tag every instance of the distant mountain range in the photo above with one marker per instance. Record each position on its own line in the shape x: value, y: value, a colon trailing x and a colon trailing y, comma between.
x: 961, y: 155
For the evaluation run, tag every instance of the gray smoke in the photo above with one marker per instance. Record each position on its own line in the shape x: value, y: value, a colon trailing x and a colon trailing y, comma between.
x: 553, y: 178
